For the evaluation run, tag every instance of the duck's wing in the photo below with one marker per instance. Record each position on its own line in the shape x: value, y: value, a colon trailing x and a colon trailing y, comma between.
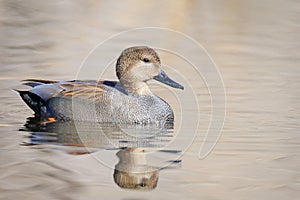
x: 47, y: 89
x: 84, y: 89
x: 29, y: 82
x: 37, y: 82
x: 43, y: 90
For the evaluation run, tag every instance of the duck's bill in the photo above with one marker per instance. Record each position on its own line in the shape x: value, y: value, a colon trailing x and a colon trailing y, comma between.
x: 163, y: 77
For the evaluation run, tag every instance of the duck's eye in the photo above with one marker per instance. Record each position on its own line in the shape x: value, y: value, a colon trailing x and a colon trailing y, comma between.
x: 143, y: 184
x: 146, y: 60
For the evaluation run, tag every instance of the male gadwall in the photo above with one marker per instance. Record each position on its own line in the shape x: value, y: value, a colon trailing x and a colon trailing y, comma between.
x: 128, y: 100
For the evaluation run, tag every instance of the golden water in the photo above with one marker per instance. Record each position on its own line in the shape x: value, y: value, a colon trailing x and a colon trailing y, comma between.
x: 256, y: 47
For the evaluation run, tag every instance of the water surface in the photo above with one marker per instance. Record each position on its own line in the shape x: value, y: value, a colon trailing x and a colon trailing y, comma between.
x: 256, y: 47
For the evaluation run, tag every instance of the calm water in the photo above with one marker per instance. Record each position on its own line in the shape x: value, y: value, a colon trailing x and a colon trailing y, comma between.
x: 256, y: 47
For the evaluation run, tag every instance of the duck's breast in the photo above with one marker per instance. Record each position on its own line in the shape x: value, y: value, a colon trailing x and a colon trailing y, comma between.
x: 138, y: 108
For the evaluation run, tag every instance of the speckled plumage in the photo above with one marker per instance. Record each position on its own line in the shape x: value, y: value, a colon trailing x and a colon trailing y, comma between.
x: 126, y: 101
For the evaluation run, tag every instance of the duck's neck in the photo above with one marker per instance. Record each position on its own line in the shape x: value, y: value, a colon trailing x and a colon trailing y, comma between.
x: 134, y: 87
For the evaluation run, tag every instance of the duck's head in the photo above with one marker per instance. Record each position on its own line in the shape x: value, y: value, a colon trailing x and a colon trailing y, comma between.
x: 139, y: 64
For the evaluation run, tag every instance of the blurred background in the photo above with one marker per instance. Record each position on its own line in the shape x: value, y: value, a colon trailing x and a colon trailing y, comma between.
x: 255, y: 45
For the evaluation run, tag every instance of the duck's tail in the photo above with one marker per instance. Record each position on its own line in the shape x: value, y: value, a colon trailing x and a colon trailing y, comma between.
x: 36, y: 103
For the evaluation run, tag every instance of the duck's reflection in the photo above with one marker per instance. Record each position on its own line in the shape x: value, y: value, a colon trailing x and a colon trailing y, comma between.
x: 133, y: 172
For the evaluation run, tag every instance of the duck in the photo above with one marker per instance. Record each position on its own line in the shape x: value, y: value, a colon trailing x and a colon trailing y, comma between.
x: 126, y: 101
